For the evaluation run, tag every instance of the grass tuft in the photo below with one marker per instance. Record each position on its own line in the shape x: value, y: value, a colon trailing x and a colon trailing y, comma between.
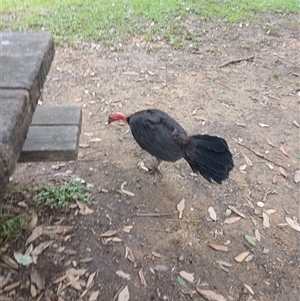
x: 111, y: 22
x: 61, y: 196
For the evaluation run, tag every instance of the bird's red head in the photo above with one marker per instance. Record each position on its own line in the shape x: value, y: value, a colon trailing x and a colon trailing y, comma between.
x: 114, y: 116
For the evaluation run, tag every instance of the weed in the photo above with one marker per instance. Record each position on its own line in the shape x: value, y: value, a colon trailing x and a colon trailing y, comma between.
x: 10, y: 225
x: 110, y: 22
x: 61, y: 196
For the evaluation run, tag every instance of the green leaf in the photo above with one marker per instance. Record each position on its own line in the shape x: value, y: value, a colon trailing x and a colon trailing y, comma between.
x: 250, y: 240
x: 296, y: 155
x: 181, y: 281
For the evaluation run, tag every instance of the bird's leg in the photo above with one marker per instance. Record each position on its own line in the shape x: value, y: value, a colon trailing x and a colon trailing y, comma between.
x: 154, y: 169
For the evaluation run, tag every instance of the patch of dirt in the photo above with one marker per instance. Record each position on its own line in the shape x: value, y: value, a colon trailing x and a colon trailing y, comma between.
x: 230, y: 102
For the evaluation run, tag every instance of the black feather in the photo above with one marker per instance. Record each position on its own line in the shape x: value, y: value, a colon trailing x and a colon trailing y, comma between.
x: 163, y: 137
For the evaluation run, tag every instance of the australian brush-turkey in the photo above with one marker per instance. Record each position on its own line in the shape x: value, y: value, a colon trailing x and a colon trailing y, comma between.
x: 164, y: 138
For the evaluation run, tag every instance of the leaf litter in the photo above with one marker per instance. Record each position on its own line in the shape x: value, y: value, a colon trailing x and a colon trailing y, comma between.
x: 212, y: 213
x: 180, y: 207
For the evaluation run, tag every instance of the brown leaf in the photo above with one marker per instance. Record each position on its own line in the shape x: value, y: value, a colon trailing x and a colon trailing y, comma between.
x: 84, y: 209
x: 221, y: 248
x: 295, y: 123
x: 293, y: 224
x: 270, y: 143
x: 283, y: 171
x: 9, y: 261
x: 232, y: 220
x: 187, y: 276
x: 38, y: 231
x: 212, y: 213
x: 127, y: 229
x: 129, y: 254
x: 94, y: 296
x: 142, y: 277
x: 11, y: 286
x: 33, y: 291
x: 284, y: 151
x: 242, y: 256
x: 257, y: 235
x: 41, y: 247
x: 297, y: 176
x: 123, y: 294
x: 274, y: 180
x: 109, y: 233
x: 180, y: 207
x: 90, y: 280
x: 266, y: 220
x: 123, y: 275
x: 236, y: 211
x: 210, y: 295
x: 33, y: 221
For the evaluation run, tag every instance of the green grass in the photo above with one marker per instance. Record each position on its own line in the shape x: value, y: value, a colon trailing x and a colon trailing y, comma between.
x: 10, y: 225
x: 60, y: 196
x: 112, y: 22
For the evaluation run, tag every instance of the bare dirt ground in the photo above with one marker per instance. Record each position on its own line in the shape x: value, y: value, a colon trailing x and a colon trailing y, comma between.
x: 254, y: 102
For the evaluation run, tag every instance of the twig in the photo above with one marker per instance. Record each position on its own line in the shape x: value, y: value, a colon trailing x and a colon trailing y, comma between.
x: 250, y: 58
x: 152, y: 214
x: 256, y: 153
x: 184, y: 220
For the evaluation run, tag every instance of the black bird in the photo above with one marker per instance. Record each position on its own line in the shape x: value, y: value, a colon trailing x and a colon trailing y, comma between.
x: 164, y: 138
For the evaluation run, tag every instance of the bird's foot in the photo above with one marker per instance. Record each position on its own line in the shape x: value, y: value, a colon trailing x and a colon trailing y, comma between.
x: 154, y: 170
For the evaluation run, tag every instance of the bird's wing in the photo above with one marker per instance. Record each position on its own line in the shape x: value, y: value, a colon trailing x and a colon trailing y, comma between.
x: 153, y: 133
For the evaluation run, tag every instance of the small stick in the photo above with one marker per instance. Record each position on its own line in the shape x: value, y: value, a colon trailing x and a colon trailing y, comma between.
x: 152, y: 214
x: 184, y: 220
x: 256, y: 153
x: 250, y: 58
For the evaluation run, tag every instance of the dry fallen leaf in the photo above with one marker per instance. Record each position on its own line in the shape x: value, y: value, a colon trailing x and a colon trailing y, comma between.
x: 33, y: 221
x: 266, y: 220
x: 11, y: 286
x: 180, y: 207
x: 127, y: 229
x: 38, y: 231
x: 250, y: 290
x: 187, y: 276
x: 270, y: 143
x: 232, y: 208
x: 270, y: 211
x: 274, y: 180
x: 94, y: 296
x: 123, y: 295
x: 257, y: 235
x: 284, y: 151
x: 221, y: 248
x: 37, y: 279
x: 293, y: 224
x: 33, y: 291
x: 129, y: 254
x: 248, y: 161
x: 41, y: 247
x: 142, y: 277
x: 123, y: 275
x: 225, y: 263
x: 9, y: 261
x: 295, y: 123
x: 210, y: 295
x: 297, y: 177
x: 242, y: 256
x: 212, y: 213
x: 90, y: 280
x: 109, y: 233
x: 84, y: 209
x: 283, y: 171
x: 232, y: 220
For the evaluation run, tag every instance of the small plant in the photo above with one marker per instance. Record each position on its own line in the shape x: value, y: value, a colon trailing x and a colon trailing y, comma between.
x: 61, y: 196
x: 10, y: 225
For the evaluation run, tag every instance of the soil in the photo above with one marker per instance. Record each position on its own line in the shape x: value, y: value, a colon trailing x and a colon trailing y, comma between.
x: 253, y: 102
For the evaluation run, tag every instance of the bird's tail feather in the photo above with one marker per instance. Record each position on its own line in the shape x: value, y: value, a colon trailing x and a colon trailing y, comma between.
x: 210, y: 157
